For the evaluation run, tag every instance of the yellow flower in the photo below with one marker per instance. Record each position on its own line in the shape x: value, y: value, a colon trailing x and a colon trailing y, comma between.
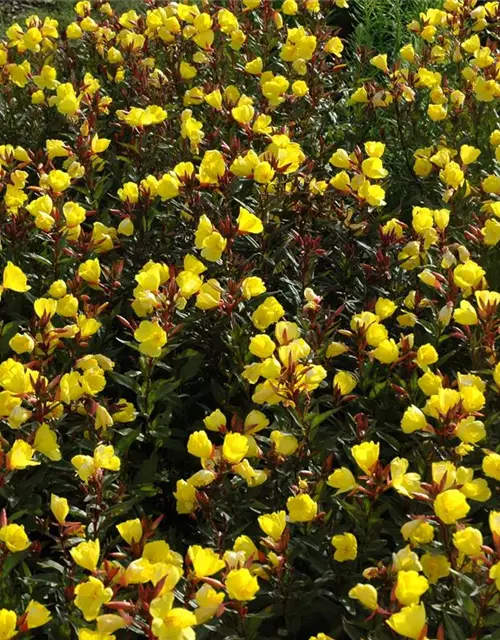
x: 466, y: 314
x: 243, y: 113
x: 130, y: 530
x: 151, y: 338
x: 90, y: 271
x: 22, y: 343
x: 8, y: 621
x: 284, y: 444
x: 241, y: 585
x: 261, y: 346
x: 14, y: 278
x: 409, y: 587
x: 494, y: 574
x: 468, y: 275
x: 468, y: 541
x: 273, y: 524
x: 267, y: 313
x: 405, y: 483
x: 215, y: 421
x: 86, y: 554
x: 386, y: 352
x: 470, y: 430
x: 426, y: 355
x: 14, y: 537
x: 20, y: 456
x: 344, y: 382
x: 491, y: 465
x: 46, y: 442
x: 90, y: 596
x: 185, y: 495
x: 413, y: 420
x: 45, y: 307
x: 409, y: 622
x: 199, y: 445
x: 435, y: 567
x: 209, y: 295
x: 301, y: 508
x: 380, y: 62
x: 373, y: 168
x: 334, y: 46
x: 342, y: 479
x: 450, y: 506
x: 469, y: 154
x: 205, y: 561
x: 366, y: 455
x: 208, y: 601
x: 103, y: 418
x: 366, y: 594
x: 36, y: 614
x: 407, y: 53
x: 253, y: 477
x: 104, y: 457
x: 491, y: 232
x: 255, y: 421
x: 59, y: 507
x: 418, y: 532
x: 212, y: 167
x: 170, y: 623
x: 452, y: 175
x: 437, y: 112
x: 263, y: 172
x: 248, y: 222
x: 300, y: 88
x: 254, y: 66
x: 346, y: 547
x: 235, y: 447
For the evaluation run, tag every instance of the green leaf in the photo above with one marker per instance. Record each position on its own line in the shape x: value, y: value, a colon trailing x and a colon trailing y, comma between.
x: 453, y: 630
x: 124, y: 381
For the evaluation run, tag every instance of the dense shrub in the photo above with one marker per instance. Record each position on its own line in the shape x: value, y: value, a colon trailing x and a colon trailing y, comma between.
x: 249, y: 373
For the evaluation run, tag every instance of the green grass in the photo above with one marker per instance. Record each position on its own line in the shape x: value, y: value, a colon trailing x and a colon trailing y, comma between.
x: 382, y: 24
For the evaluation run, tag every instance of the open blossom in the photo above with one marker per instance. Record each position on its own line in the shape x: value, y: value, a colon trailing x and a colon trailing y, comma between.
x: 249, y: 335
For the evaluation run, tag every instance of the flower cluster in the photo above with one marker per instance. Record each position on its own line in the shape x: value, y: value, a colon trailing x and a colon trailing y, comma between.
x: 249, y: 373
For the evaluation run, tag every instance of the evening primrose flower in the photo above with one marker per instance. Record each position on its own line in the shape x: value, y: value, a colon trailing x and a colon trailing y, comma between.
x: 450, y: 506
x: 346, y: 547
x: 235, y: 447
x: 241, y: 585
x: 14, y: 278
x: 302, y: 508
x: 273, y: 524
x: 199, y: 444
x: 410, y: 586
x: 366, y: 455
x: 249, y: 222
x: 8, y: 621
x: 36, y: 615
x: 409, y: 622
x: 59, y: 507
x: 342, y: 479
x: 14, y: 537
x: 469, y: 541
x: 20, y: 456
x: 366, y: 594
x: 344, y: 382
x: 151, y: 338
x: 205, y: 561
x: 86, y: 554
x: 413, y: 420
x: 90, y: 596
x: 380, y: 62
